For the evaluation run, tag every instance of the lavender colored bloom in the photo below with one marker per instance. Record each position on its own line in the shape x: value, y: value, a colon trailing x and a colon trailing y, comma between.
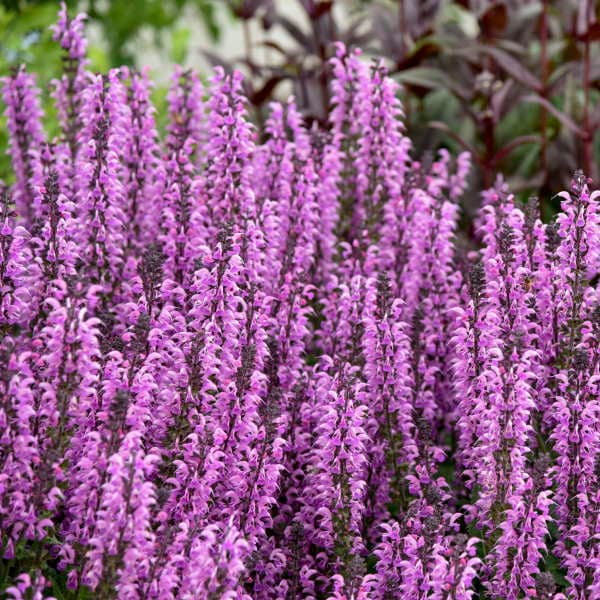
x: 69, y: 33
x: 26, y: 588
x: 263, y: 363
x: 99, y: 190
x: 144, y: 168
x: 24, y: 114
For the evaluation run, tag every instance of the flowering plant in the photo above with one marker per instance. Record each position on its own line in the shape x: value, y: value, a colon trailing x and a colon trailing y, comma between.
x: 234, y: 369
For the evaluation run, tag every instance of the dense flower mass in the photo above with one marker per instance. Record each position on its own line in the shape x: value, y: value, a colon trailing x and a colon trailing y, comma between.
x: 243, y: 370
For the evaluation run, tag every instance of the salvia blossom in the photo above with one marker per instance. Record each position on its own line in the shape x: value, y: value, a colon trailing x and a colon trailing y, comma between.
x: 21, y: 97
x: 262, y: 364
x: 70, y: 35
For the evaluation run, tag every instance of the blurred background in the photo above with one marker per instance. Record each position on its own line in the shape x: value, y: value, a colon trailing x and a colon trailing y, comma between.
x: 516, y: 82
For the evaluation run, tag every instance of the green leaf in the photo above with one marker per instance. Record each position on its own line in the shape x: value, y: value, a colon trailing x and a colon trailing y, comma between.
x: 466, y: 20
x: 553, y: 566
x: 99, y: 59
x: 207, y: 13
x: 427, y: 77
x: 180, y: 43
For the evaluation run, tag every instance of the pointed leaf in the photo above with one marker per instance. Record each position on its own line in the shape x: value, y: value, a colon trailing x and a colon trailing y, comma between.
x: 561, y: 116
x: 512, y: 67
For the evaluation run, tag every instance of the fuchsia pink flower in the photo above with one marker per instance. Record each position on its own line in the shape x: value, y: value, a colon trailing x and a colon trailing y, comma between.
x: 260, y: 364
x: 21, y: 97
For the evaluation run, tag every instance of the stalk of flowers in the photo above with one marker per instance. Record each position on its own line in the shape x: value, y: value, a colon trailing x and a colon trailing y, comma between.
x: 458, y: 181
x: 439, y: 295
x: 575, y: 433
x: 253, y: 446
x: 547, y: 291
x: 186, y: 125
x: 567, y: 297
x: 115, y: 553
x: 505, y: 451
x: 20, y: 275
x: 99, y: 189
x: 21, y: 521
x: 522, y: 541
x: 334, y: 494
x: 504, y: 428
x: 390, y: 424
x: 220, y: 314
x: 204, y: 376
x: 214, y: 290
x: 272, y: 168
x: 327, y: 161
x: 428, y: 522
x: 23, y: 111
x: 593, y: 572
x: 380, y: 162
x: 181, y: 227
x: 234, y: 340
x: 505, y: 494
x: 228, y: 174
x: 96, y: 425
x: 430, y: 191
x: 54, y: 255
x: 577, y: 442
x: 6, y: 240
x: 297, y: 573
x: 463, y: 567
x: 422, y: 479
x: 350, y: 77
x: 263, y: 490
x: 54, y: 247
x: 144, y: 167
x: 186, y: 493
x: 60, y: 363
x: 341, y: 329
x: 541, y: 241
x: 290, y: 264
x: 590, y: 498
x: 69, y: 33
x: 429, y: 224
x: 296, y: 209
x: 121, y: 542
x: 41, y: 380
x: 199, y: 559
x: 167, y: 340
x: 30, y: 381
x: 430, y: 286
x: 139, y: 320
x: 577, y: 231
x: 471, y: 343
x: 373, y: 165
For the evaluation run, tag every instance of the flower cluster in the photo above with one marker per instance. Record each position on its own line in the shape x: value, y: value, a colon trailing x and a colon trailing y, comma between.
x: 232, y: 369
